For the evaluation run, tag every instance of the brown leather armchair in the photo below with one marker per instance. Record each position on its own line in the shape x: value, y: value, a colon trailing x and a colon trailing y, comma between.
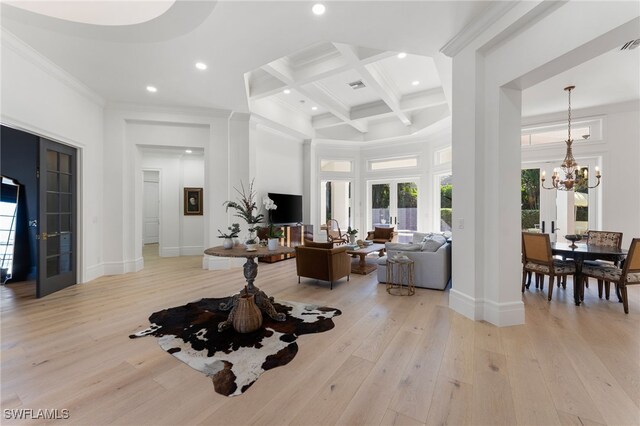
x: 322, y: 262
x: 382, y: 235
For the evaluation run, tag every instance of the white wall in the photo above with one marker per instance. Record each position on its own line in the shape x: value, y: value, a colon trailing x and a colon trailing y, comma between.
x: 40, y: 98
x: 278, y: 163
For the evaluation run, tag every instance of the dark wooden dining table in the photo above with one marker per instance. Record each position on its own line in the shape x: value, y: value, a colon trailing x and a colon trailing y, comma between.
x: 583, y: 252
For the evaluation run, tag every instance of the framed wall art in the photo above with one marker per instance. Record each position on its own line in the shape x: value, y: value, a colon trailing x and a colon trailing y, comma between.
x: 192, y: 201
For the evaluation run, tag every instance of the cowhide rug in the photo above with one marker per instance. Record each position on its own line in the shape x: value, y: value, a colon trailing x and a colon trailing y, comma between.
x: 234, y: 361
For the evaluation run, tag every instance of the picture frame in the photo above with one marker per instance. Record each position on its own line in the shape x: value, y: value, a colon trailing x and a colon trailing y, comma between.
x: 193, y: 201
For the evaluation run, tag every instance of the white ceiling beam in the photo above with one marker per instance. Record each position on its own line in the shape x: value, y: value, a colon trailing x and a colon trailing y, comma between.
x: 373, y: 80
x: 283, y: 72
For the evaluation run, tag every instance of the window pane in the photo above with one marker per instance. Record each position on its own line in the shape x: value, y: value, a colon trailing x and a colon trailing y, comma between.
x: 52, y: 267
x: 407, y: 206
x: 52, y: 161
x: 53, y: 245
x: 336, y: 203
x: 446, y: 190
x: 65, y: 222
x: 53, y: 203
x: 380, y: 204
x: 65, y: 163
x: 65, y: 203
x: 53, y: 223
x: 65, y: 263
x: 335, y: 165
x: 443, y: 156
x: 52, y: 181
x: 65, y: 243
x: 581, y: 200
x: 530, y: 198
x: 65, y: 183
x: 397, y: 163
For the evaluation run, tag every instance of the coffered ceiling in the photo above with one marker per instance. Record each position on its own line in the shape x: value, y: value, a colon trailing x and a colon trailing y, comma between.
x: 346, y: 90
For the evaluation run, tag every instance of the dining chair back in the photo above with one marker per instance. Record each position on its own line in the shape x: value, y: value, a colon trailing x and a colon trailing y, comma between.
x: 628, y: 274
x: 604, y: 238
x: 538, y: 258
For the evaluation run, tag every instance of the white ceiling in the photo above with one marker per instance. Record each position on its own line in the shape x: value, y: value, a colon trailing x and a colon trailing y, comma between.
x: 254, y: 49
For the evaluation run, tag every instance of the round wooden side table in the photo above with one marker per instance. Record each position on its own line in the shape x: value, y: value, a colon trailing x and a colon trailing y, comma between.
x: 400, y: 277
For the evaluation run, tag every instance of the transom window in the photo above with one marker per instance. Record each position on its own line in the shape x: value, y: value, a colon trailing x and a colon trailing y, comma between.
x: 335, y: 166
x: 393, y: 163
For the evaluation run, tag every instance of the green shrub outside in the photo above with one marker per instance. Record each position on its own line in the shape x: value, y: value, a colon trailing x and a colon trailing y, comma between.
x: 530, y: 218
x: 445, y: 215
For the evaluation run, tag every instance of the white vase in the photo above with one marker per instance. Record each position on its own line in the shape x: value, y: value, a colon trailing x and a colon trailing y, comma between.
x: 352, y: 239
x: 272, y: 244
x: 236, y: 241
x: 227, y: 243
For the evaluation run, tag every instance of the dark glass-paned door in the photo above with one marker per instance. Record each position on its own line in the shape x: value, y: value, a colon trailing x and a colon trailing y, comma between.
x: 57, y: 234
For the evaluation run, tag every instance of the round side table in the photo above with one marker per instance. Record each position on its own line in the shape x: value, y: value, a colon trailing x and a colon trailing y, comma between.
x: 400, y: 277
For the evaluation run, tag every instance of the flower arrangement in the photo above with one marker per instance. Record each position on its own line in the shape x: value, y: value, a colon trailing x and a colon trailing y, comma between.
x: 234, y: 231
x: 351, y: 231
x: 245, y: 207
x: 269, y: 205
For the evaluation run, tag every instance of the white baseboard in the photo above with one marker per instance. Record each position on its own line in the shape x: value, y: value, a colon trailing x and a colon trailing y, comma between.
x: 93, y: 272
x: 191, y: 250
x: 504, y: 314
x: 119, y: 268
x: 465, y: 305
x: 498, y: 314
x: 169, y: 251
x: 212, y: 263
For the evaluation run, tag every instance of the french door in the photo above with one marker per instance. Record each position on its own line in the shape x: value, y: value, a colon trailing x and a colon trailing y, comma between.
x: 57, y: 236
x: 393, y: 203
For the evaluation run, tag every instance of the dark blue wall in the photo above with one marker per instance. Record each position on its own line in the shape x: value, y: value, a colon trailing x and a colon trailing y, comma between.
x: 18, y: 160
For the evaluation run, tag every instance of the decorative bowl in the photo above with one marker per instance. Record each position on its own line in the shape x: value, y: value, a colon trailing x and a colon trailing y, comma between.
x: 573, y: 238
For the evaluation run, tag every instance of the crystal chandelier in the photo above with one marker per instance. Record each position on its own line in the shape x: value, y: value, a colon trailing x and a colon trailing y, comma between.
x: 569, y: 166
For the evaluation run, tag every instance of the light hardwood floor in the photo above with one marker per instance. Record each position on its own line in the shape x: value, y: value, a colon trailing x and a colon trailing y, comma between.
x: 389, y: 360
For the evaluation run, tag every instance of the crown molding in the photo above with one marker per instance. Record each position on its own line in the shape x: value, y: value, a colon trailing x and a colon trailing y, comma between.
x: 12, y: 42
x: 477, y: 27
x: 188, y: 111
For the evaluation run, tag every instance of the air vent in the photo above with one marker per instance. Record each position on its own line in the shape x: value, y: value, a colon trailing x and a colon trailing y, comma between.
x: 631, y: 44
x: 357, y: 85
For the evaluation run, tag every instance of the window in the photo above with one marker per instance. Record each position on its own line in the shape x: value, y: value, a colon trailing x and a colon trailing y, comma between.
x: 446, y: 190
x: 335, y: 165
x: 581, y: 131
x: 394, y: 163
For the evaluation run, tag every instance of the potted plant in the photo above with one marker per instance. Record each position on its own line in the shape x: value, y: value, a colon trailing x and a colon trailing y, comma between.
x: 351, y: 232
x: 234, y: 230
x: 245, y: 206
x: 273, y: 234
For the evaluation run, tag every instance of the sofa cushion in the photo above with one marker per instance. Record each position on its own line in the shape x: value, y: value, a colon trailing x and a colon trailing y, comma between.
x: 402, y: 247
x: 433, y: 242
x: 382, y: 233
x: 418, y: 237
x: 314, y: 244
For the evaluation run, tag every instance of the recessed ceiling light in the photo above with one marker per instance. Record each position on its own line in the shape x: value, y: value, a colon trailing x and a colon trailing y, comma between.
x: 415, y: 82
x: 402, y: 55
x: 318, y: 9
x: 286, y: 91
x: 151, y: 89
x: 188, y: 151
x: 314, y: 108
x: 201, y: 65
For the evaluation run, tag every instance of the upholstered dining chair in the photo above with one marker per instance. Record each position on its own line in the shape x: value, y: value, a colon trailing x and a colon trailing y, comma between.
x: 538, y: 258
x: 603, y: 239
x: 622, y: 277
x: 334, y: 235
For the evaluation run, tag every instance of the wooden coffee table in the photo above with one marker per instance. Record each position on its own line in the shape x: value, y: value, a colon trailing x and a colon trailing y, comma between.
x: 363, y: 267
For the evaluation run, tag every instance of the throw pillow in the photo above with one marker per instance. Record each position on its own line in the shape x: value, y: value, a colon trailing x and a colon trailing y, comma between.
x: 382, y: 233
x: 418, y: 237
x: 433, y: 243
x: 308, y: 243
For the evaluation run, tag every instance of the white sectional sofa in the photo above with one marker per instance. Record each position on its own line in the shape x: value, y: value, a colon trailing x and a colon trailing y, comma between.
x: 432, y: 269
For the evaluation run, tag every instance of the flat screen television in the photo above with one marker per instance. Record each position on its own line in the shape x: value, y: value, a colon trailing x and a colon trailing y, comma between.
x: 289, y: 208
